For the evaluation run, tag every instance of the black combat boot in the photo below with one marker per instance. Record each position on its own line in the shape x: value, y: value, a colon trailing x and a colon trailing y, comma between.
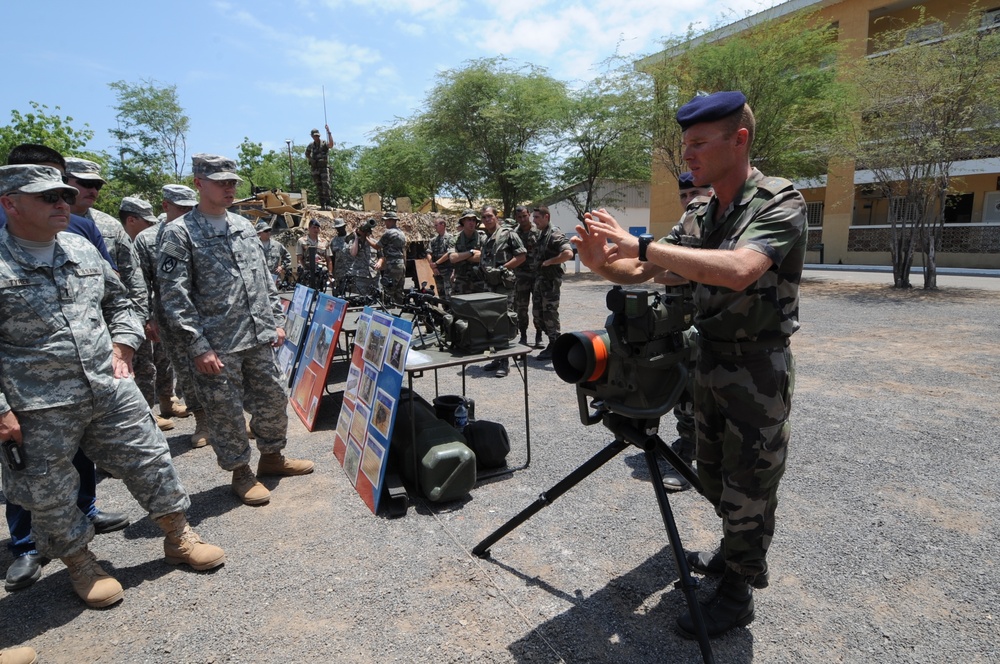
x: 731, y: 606
x: 524, y: 337
x: 538, y: 339
x: 714, y: 564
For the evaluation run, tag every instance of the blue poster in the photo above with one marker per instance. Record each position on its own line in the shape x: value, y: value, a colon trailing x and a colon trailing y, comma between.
x: 315, y: 357
x: 295, y: 327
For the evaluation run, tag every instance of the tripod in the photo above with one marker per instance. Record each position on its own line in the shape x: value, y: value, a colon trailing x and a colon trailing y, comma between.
x: 627, y: 431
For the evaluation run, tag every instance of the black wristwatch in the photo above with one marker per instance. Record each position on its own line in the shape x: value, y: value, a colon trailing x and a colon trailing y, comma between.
x: 644, y: 241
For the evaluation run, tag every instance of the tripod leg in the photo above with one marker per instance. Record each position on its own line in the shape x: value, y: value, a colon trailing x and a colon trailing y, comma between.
x: 482, y: 549
x: 686, y: 582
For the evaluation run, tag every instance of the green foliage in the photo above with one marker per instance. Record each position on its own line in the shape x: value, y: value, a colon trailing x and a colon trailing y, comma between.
x: 493, y: 117
x: 782, y: 66
x: 44, y: 128
x: 398, y: 164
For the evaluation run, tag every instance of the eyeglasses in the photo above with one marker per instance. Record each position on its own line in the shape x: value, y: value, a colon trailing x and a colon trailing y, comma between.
x: 225, y: 184
x: 88, y: 184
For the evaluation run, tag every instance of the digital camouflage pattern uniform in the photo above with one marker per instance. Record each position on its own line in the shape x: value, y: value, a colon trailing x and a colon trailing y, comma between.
x: 56, y: 376
x: 147, y: 245
x: 318, y: 156
x: 276, y: 255
x: 336, y: 251
x: 548, y: 282
x: 468, y: 278
x: 120, y: 247
x: 497, y: 250
x: 360, y: 269
x: 311, y: 255
x: 438, y: 247
x: 393, y: 246
x: 524, y: 280
x: 218, y: 295
x: 745, y: 373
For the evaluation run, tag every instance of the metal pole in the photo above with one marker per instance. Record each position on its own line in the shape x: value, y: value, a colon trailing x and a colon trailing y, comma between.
x: 291, y: 171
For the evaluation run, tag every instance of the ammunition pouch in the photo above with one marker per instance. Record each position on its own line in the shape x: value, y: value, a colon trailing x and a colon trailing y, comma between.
x: 498, y: 276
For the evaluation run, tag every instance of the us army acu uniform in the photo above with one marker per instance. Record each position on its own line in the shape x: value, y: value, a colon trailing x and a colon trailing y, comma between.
x: 393, y: 246
x: 468, y: 278
x: 548, y: 281
x: 63, y: 309
x: 524, y: 282
x: 745, y: 372
x: 217, y: 295
x: 275, y: 254
x: 438, y: 247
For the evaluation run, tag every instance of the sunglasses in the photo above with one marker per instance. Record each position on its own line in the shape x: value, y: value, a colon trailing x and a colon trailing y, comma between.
x: 50, y: 197
x: 225, y: 184
x: 89, y: 184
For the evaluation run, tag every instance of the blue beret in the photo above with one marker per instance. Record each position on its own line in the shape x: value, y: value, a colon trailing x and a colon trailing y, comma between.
x: 707, y: 108
x: 685, y: 181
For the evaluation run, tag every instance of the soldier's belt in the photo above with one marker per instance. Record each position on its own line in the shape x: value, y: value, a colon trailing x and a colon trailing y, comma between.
x: 742, y: 347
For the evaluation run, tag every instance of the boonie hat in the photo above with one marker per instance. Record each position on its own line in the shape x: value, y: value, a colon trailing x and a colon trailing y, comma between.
x: 139, y: 208
x: 314, y: 132
x: 178, y: 194
x: 708, y: 108
x: 83, y: 169
x: 339, y: 222
x: 31, y: 179
x: 214, y: 167
x: 263, y: 226
x: 390, y: 215
x: 468, y: 214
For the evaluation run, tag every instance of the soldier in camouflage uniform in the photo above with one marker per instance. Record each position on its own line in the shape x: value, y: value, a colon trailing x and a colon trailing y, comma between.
x: 465, y: 256
x: 312, y: 253
x: 744, y: 254
x: 66, y: 343
x: 438, y: 253
x: 554, y: 249
x: 318, y: 156
x: 337, y: 243
x: 524, y: 275
x: 218, y: 297
x: 279, y: 261
x: 502, y: 253
x: 393, y: 264
x: 360, y: 259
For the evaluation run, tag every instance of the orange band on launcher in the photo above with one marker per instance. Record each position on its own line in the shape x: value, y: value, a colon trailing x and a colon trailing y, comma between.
x: 600, y: 354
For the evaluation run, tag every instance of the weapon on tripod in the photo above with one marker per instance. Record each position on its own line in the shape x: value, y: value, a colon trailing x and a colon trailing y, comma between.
x: 430, y: 316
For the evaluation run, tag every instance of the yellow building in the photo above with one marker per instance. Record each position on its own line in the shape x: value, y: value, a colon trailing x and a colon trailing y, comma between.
x: 846, y: 217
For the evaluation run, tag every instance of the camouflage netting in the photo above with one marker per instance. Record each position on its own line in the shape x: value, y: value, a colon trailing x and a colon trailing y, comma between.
x: 418, y: 227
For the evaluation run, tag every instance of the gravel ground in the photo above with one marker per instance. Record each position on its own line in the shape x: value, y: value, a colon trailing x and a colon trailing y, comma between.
x: 885, y: 549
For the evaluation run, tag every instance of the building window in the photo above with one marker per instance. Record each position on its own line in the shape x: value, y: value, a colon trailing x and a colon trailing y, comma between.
x: 958, y: 209
x: 814, y: 213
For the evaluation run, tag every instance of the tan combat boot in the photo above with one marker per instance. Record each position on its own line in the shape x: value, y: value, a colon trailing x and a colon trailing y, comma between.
x: 19, y: 656
x: 246, y: 486
x: 163, y: 423
x: 172, y: 407
x: 200, y: 436
x: 279, y: 464
x: 182, y: 545
x: 94, y: 586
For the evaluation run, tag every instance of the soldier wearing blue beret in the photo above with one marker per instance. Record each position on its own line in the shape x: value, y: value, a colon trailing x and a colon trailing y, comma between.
x: 743, y: 251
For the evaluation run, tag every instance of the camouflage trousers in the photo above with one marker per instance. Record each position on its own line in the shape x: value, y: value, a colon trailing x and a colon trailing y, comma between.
x: 442, y: 282
x: 321, y: 180
x: 467, y: 285
x: 396, y: 272
x: 118, y: 432
x: 153, y: 373
x: 183, y: 367
x: 684, y: 408
x: 546, y: 305
x: 249, y: 380
x: 522, y: 297
x: 742, y: 405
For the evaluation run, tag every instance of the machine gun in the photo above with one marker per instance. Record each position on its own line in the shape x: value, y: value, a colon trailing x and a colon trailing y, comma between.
x: 429, y: 314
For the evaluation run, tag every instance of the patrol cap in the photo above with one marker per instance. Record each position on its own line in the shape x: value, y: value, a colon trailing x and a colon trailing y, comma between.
x: 263, y: 226
x: 83, y: 169
x: 314, y: 132
x: 708, y: 108
x: 339, y: 222
x: 178, y: 194
x: 31, y: 179
x: 468, y: 214
x: 214, y: 167
x: 685, y: 181
x: 390, y: 215
x: 137, y: 207
x: 314, y: 222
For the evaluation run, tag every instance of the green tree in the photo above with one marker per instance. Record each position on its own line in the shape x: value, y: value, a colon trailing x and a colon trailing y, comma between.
x: 259, y: 169
x: 44, y: 128
x: 398, y: 164
x: 150, y: 135
x: 607, y: 133
x: 920, y: 107
x: 783, y: 67
x: 494, y: 117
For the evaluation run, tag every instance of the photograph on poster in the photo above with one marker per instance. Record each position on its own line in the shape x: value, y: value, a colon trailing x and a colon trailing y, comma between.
x: 343, y: 423
x: 398, y: 341
x: 371, y: 460
x: 352, y: 459
x: 296, y: 324
x: 378, y: 333
x: 285, y: 359
x: 383, y: 413
x: 359, y: 422
x: 361, y: 336
x: 368, y: 382
x: 323, y: 344
x: 353, y: 379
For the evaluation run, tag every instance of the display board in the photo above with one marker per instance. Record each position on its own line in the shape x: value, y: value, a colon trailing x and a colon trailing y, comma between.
x: 297, y: 317
x: 316, y: 356
x: 371, y: 400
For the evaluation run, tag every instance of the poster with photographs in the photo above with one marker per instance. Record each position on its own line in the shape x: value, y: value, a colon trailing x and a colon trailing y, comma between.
x: 371, y: 401
x: 297, y: 315
x: 318, y: 346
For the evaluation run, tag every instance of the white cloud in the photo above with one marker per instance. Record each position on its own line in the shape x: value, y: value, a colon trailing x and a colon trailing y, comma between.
x: 412, y: 29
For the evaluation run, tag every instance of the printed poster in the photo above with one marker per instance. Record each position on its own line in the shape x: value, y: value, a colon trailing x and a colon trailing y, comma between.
x: 297, y: 311
x: 316, y: 354
x: 371, y: 401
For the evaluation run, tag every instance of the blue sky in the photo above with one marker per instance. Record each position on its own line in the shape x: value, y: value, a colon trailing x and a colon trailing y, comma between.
x: 257, y: 69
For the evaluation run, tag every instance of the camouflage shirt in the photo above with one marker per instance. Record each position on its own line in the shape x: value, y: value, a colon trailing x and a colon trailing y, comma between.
x: 393, y: 245
x: 58, y: 325
x: 120, y: 247
x: 467, y: 270
x: 362, y: 265
x: 276, y: 256
x: 317, y: 155
x: 551, y: 243
x: 438, y: 247
x: 768, y: 216
x: 145, y: 245
x: 500, y: 247
x: 215, y: 288
x: 308, y: 251
x: 529, y: 239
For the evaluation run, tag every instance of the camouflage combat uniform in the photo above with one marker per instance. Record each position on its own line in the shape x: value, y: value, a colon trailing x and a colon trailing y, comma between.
x: 318, y: 156
x: 524, y: 280
x: 276, y: 255
x: 468, y: 278
x: 360, y: 269
x: 438, y: 247
x: 498, y: 249
x: 311, y: 255
x: 121, y: 249
x: 745, y: 372
x: 56, y: 375
x: 393, y: 246
x: 217, y: 295
x: 336, y: 251
x: 548, y: 281
x: 147, y: 245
